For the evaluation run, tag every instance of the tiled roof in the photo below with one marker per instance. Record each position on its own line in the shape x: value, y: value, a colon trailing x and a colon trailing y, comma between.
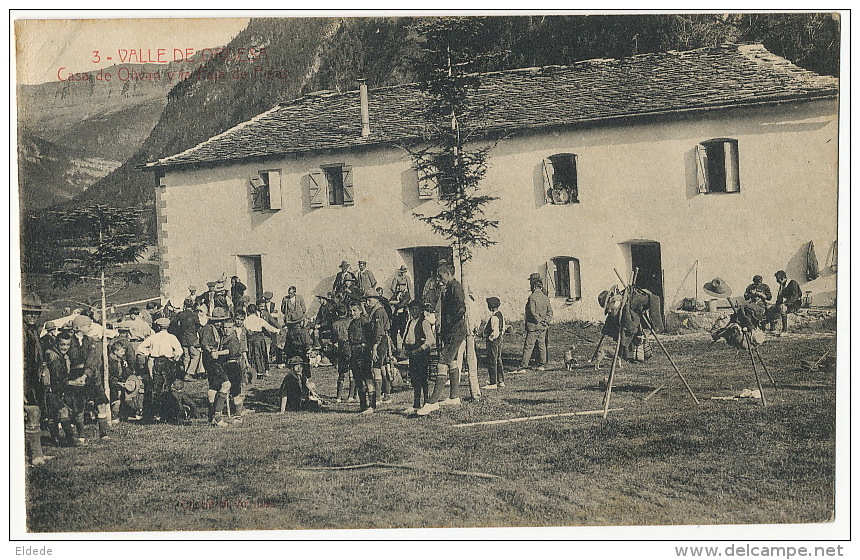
x: 592, y: 90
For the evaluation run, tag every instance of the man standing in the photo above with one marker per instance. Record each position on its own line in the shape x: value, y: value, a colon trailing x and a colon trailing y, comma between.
x: 365, y: 279
x: 401, y: 282
x: 188, y: 332
x: 207, y: 298
x: 191, y: 297
x: 293, y: 308
x: 237, y: 290
x: 87, y: 374
x: 163, y: 352
x: 34, y: 384
x: 138, y: 329
x: 538, y: 317
x: 380, y: 324
x: 452, y: 332
x: 788, y: 300
x: 341, y: 277
x: 358, y: 335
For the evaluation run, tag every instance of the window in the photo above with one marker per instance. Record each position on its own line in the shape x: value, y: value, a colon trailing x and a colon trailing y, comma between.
x: 336, y: 181
x: 564, y: 279
x: 266, y: 191
x: 560, y: 179
x: 426, y: 188
x: 717, y: 166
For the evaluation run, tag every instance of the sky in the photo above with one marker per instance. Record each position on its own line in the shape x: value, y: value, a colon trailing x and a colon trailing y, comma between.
x: 44, y: 46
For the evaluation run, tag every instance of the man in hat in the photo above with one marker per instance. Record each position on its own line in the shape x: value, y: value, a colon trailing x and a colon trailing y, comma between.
x: 222, y: 297
x: 49, y: 339
x: 211, y: 336
x: 34, y: 382
x: 87, y: 373
x: 237, y: 290
x: 341, y: 276
x: 162, y: 351
x: 187, y: 325
x: 364, y: 279
x: 207, y: 298
x: 452, y: 331
x: 229, y: 356
x: 538, y: 316
x: 191, y: 297
x: 418, y: 341
x: 401, y: 281
x: 293, y: 388
x: 789, y: 298
x: 758, y: 292
x: 379, y: 325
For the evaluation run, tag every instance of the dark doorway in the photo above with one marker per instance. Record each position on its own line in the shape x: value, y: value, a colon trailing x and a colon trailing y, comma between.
x: 646, y: 257
x: 425, y: 261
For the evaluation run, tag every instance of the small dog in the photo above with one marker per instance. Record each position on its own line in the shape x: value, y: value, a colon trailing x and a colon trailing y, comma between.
x: 606, y: 350
x: 569, y: 359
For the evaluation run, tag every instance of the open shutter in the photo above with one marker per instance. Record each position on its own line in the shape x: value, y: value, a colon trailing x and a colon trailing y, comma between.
x: 425, y: 186
x: 702, y: 168
x: 316, y: 188
x: 258, y: 188
x: 348, y: 191
x: 275, y: 202
x: 551, y: 278
x: 731, y: 153
x: 547, y: 179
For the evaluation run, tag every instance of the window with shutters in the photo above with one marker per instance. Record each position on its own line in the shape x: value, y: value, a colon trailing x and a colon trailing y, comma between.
x: 332, y: 183
x: 717, y: 166
x: 266, y: 191
x: 563, y: 278
x: 560, y: 179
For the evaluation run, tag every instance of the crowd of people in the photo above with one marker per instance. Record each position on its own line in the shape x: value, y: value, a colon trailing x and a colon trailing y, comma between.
x: 374, y: 341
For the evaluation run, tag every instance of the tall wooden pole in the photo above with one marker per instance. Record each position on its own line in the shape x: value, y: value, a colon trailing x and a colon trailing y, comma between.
x: 105, y: 367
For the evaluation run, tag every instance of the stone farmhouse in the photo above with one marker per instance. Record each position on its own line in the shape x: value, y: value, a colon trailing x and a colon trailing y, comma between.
x: 722, y: 160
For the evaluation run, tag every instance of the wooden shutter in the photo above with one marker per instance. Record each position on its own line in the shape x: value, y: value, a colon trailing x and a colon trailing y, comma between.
x: 348, y: 191
x: 425, y: 186
x: 547, y: 179
x: 316, y: 188
x: 731, y: 155
x: 258, y: 187
x: 551, y: 279
x: 702, y: 168
x: 275, y: 202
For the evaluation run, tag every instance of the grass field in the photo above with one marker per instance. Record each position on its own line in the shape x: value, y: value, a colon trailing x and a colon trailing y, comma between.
x: 664, y: 461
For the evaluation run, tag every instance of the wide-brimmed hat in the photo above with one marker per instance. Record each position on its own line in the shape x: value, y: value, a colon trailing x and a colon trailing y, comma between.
x: 535, y: 276
x: 82, y: 323
x: 268, y: 295
x: 132, y: 384
x: 192, y: 288
x: 362, y: 262
x: 295, y: 361
x: 210, y: 284
x: 717, y: 288
x: 402, y: 268
x: 32, y: 302
x: 163, y: 322
x: 606, y: 296
x: 50, y: 325
x: 493, y: 302
x: 219, y: 314
x: 220, y: 285
x: 344, y: 264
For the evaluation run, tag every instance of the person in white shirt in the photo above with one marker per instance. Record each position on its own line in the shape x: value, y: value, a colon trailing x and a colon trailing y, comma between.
x: 494, y: 331
x: 257, y: 328
x: 163, y: 353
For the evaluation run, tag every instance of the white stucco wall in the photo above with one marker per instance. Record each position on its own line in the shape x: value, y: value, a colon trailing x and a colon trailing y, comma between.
x: 636, y: 182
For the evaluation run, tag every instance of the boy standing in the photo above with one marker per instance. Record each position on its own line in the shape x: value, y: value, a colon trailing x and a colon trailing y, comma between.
x: 418, y: 340
x: 494, y: 331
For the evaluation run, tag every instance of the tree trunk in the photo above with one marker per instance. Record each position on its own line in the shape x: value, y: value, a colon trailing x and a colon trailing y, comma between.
x: 471, y: 355
x: 105, y: 344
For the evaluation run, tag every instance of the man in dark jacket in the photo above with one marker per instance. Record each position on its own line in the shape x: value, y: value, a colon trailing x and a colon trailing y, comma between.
x: 34, y: 386
x: 538, y: 316
x: 788, y: 300
x: 452, y: 332
x: 186, y: 327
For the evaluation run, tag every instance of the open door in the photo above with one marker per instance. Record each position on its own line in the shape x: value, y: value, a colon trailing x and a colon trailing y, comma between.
x: 425, y: 261
x: 250, y: 273
x: 647, y: 257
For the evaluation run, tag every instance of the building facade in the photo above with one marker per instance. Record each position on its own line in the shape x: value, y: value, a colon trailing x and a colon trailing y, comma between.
x: 604, y: 166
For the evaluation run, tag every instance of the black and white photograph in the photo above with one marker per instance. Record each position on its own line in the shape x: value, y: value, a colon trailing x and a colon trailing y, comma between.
x: 565, y: 275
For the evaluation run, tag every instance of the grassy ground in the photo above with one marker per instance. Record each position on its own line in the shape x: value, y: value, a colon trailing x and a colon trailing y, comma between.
x: 664, y: 461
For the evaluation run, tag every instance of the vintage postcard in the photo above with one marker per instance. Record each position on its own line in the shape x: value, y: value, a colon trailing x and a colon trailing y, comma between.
x: 536, y: 275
